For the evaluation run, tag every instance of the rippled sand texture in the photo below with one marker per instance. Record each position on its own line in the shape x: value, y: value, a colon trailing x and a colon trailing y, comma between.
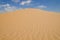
x: 30, y: 24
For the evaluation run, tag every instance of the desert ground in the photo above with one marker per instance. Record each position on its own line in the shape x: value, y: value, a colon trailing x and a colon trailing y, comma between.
x: 30, y: 24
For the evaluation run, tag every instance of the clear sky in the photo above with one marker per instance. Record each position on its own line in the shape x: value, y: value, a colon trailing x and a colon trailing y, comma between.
x: 11, y: 5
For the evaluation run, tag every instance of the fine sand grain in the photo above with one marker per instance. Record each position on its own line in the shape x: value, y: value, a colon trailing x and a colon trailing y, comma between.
x: 30, y: 24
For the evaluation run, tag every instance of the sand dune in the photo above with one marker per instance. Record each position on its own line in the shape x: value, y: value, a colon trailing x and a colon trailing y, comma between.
x: 30, y: 24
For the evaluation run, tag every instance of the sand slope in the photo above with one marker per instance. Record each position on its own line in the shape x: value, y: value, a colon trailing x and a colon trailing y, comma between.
x: 30, y: 24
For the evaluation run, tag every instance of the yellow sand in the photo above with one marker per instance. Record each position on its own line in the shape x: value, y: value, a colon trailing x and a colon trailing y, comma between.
x: 30, y: 24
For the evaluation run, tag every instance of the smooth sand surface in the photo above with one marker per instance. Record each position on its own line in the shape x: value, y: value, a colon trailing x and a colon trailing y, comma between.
x: 30, y: 24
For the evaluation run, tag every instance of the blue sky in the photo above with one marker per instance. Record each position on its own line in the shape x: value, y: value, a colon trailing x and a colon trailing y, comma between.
x: 11, y: 5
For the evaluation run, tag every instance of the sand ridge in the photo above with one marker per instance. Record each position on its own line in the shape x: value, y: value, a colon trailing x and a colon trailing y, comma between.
x: 30, y: 24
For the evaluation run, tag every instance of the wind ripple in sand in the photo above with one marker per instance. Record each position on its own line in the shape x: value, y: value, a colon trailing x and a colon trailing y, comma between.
x: 39, y: 33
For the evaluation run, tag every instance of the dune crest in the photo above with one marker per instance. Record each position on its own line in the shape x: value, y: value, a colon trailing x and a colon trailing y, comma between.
x: 30, y: 24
